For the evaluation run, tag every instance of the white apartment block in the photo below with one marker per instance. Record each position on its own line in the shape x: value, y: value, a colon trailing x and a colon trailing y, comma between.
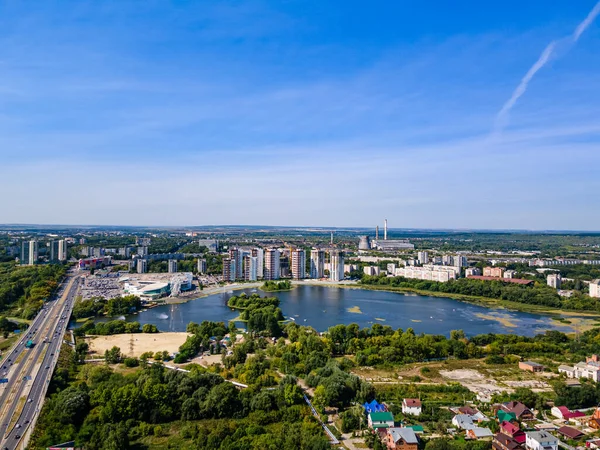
x: 250, y: 268
x: 423, y: 257
x: 391, y: 268
x: 62, y: 250
x: 317, y: 263
x: 259, y: 253
x: 298, y: 264
x: 554, y: 280
x: 510, y: 274
x: 441, y: 274
x: 595, y: 289
x: 472, y: 271
x: 371, y: 270
x: 336, y: 272
x: 272, y: 264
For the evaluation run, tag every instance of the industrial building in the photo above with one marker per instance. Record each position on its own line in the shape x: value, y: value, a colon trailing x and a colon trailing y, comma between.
x: 364, y: 243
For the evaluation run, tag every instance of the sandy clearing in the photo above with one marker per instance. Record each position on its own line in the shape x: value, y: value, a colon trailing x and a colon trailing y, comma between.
x: 462, y: 375
x: 137, y: 343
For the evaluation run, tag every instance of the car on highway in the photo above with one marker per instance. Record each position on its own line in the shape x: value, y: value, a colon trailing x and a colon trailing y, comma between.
x: 18, y: 425
x: 47, y: 367
x: 18, y: 436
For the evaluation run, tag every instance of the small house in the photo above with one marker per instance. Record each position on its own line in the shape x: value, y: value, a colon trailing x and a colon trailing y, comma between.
x: 514, y: 431
x: 531, y: 366
x: 521, y: 411
x: 570, y: 432
x: 401, y: 439
x: 502, y: 441
x: 540, y: 440
x: 504, y: 416
x: 562, y: 412
x: 479, y: 433
x: 463, y: 422
x: 411, y: 406
x: 418, y: 429
x: 381, y: 420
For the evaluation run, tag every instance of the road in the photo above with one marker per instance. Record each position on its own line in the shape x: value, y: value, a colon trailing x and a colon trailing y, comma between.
x: 29, y: 370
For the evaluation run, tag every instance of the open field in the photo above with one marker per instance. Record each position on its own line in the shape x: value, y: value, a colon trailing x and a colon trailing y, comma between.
x: 137, y: 343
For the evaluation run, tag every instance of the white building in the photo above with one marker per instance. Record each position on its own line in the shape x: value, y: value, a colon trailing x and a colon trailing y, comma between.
x: 448, y: 260
x: 142, y: 251
x: 472, y: 271
x: 554, y: 280
x: 391, y: 268
x: 317, y: 263
x: 510, y: 274
x: 336, y: 272
x: 441, y: 274
x: 595, y: 288
x: 460, y: 261
x: 142, y: 266
x: 540, y: 440
x: 172, y: 266
x: 298, y: 264
x: 423, y: 257
x: 210, y: 244
x: 588, y: 369
x: 29, y: 252
x: 371, y: 270
x: 62, y: 250
x: 202, y: 266
x: 250, y: 268
x: 259, y: 253
x: 411, y: 406
x: 272, y: 264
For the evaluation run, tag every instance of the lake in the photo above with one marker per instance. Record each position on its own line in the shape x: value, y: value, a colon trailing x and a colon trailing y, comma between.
x: 321, y: 307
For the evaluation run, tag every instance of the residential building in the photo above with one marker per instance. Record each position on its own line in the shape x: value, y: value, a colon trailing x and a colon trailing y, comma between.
x: 554, y: 280
x: 594, y: 421
x: 172, y: 266
x: 259, y: 254
x: 595, y: 288
x: 250, y: 268
x: 447, y: 260
x: 570, y: 432
x: 336, y: 272
x: 463, y: 421
x: 479, y: 433
x: 411, y: 406
x: 423, y: 257
x: 272, y: 264
x: 493, y: 272
x: 29, y: 252
x: 437, y: 260
x: 229, y: 269
x: 472, y: 271
x: 503, y: 442
x: 62, y: 250
x: 521, y: 411
x: 441, y: 274
x: 284, y: 265
x: 531, y: 366
x: 460, y: 261
x: 371, y: 270
x: 211, y: 244
x: 509, y: 274
x: 202, y: 267
x: 142, y: 251
x: 298, y: 264
x: 317, y: 263
x: 401, y: 439
x: 513, y: 430
x: 588, y: 369
x: 237, y: 255
x: 380, y: 420
x: 540, y: 440
x: 142, y: 266
x: 391, y: 268
x: 562, y: 412
x: 53, y: 251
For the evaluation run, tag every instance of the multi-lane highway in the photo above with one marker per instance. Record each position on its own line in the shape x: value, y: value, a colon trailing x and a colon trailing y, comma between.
x: 29, y: 369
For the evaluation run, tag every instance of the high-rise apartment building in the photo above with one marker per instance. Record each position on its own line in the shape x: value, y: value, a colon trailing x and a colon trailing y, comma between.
x: 172, y: 266
x: 237, y: 255
x: 229, y: 269
x: 336, y: 258
x: 447, y: 260
x: 460, y: 261
x: 497, y: 272
x: 423, y: 257
x: 53, y: 247
x: 298, y: 264
x: 317, y: 263
x: 272, y: 264
x: 554, y: 280
x: 142, y: 251
x: 142, y: 266
x: 62, y: 250
x: 250, y: 268
x: 202, y: 266
x: 259, y: 253
x: 29, y: 252
x: 595, y: 288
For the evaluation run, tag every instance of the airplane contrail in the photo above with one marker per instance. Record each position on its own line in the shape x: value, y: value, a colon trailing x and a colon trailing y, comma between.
x: 502, y: 116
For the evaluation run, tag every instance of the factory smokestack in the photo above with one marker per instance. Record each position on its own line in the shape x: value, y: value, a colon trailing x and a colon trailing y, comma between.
x: 377, y: 233
x: 385, y: 230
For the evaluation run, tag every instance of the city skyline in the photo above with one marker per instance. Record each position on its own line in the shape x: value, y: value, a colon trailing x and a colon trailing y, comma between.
x: 335, y: 116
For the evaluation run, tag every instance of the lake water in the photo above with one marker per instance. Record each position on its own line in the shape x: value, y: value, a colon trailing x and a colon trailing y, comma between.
x: 321, y: 307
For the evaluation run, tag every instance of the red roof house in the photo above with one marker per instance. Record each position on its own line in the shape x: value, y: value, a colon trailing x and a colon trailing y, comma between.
x: 570, y: 433
x: 512, y: 430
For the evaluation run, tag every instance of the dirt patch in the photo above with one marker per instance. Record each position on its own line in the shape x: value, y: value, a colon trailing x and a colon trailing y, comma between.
x: 462, y: 375
x: 136, y: 344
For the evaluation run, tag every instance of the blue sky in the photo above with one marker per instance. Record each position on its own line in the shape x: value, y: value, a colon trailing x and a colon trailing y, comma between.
x: 299, y: 113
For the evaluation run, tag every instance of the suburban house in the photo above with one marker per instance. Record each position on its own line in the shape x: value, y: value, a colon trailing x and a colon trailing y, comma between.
x: 479, y: 433
x: 514, y: 431
x: 562, y: 412
x: 594, y: 421
x: 531, y: 366
x: 540, y: 440
x: 374, y: 407
x: 411, y: 406
x: 570, y: 432
x: 401, y: 439
x: 381, y: 420
x: 521, y: 411
x: 476, y: 415
x: 503, y: 442
x: 504, y: 416
x: 592, y: 443
x: 418, y: 429
x: 463, y: 422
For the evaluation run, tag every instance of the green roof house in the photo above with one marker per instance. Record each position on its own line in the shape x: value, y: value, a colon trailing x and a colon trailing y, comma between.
x: 381, y: 420
x: 506, y: 416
